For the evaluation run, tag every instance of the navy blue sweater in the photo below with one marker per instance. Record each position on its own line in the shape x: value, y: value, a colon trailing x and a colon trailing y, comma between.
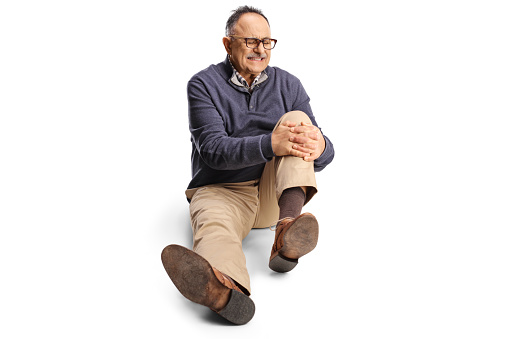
x: 231, y: 129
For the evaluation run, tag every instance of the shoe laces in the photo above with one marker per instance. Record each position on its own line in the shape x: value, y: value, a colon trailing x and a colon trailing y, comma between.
x: 274, y: 227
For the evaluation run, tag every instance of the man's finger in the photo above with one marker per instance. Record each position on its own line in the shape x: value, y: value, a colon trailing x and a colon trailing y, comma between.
x: 302, y: 140
x: 289, y: 123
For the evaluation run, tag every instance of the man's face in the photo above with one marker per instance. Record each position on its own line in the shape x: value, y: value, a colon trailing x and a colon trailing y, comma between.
x: 249, y: 62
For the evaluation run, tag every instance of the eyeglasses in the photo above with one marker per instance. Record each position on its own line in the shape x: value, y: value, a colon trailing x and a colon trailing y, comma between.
x: 254, y: 42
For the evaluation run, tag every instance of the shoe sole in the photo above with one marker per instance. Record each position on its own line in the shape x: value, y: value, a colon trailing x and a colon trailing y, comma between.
x: 299, y: 240
x: 194, y: 278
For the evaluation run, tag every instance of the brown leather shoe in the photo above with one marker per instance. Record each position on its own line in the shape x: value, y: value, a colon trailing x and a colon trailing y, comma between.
x: 294, y: 238
x: 201, y: 283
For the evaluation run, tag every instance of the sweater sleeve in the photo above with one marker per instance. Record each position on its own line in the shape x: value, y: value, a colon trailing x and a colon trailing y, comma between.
x: 217, y: 149
x: 302, y: 104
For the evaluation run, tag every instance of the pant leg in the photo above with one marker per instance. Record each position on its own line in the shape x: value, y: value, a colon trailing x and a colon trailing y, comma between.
x: 221, y: 217
x: 281, y: 173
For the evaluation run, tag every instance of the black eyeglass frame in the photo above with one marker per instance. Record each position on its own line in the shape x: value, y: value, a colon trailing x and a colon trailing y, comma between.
x: 260, y: 41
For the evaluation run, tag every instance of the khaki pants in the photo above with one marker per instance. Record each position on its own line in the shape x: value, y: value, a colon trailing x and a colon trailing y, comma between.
x: 223, y: 214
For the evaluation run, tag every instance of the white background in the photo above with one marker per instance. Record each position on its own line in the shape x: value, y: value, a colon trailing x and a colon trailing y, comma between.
x: 95, y: 158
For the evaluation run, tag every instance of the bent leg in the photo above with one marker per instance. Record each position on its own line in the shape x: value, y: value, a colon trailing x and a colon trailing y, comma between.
x: 282, y: 173
x: 294, y: 171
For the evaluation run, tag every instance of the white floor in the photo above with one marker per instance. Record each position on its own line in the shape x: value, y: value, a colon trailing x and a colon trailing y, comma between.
x: 94, y: 152
x: 89, y: 266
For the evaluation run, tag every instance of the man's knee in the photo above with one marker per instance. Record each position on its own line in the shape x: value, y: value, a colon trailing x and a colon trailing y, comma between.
x: 296, y: 116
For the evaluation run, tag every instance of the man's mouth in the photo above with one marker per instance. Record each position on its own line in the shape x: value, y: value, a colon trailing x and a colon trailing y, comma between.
x: 256, y: 57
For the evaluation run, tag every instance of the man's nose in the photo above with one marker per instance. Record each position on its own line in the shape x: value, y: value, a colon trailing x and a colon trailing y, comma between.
x: 259, y: 48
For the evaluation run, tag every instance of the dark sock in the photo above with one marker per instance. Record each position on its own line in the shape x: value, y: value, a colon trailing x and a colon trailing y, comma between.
x: 291, y: 202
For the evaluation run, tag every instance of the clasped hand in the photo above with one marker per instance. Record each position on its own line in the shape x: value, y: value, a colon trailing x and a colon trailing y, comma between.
x: 300, y: 140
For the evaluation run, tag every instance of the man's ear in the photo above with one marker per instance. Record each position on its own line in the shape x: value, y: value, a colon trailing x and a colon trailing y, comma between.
x: 227, y: 45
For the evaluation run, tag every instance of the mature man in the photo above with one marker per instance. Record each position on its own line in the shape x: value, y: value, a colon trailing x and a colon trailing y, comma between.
x: 255, y: 148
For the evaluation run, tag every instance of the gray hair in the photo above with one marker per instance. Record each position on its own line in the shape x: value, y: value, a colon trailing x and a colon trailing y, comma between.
x: 234, y: 18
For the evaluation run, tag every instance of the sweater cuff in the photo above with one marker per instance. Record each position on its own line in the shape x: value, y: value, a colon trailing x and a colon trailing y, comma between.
x: 266, y: 146
x: 327, y: 152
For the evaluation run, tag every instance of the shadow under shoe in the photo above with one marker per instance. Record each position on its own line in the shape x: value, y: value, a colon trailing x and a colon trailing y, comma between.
x: 199, y: 282
x: 294, y: 239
